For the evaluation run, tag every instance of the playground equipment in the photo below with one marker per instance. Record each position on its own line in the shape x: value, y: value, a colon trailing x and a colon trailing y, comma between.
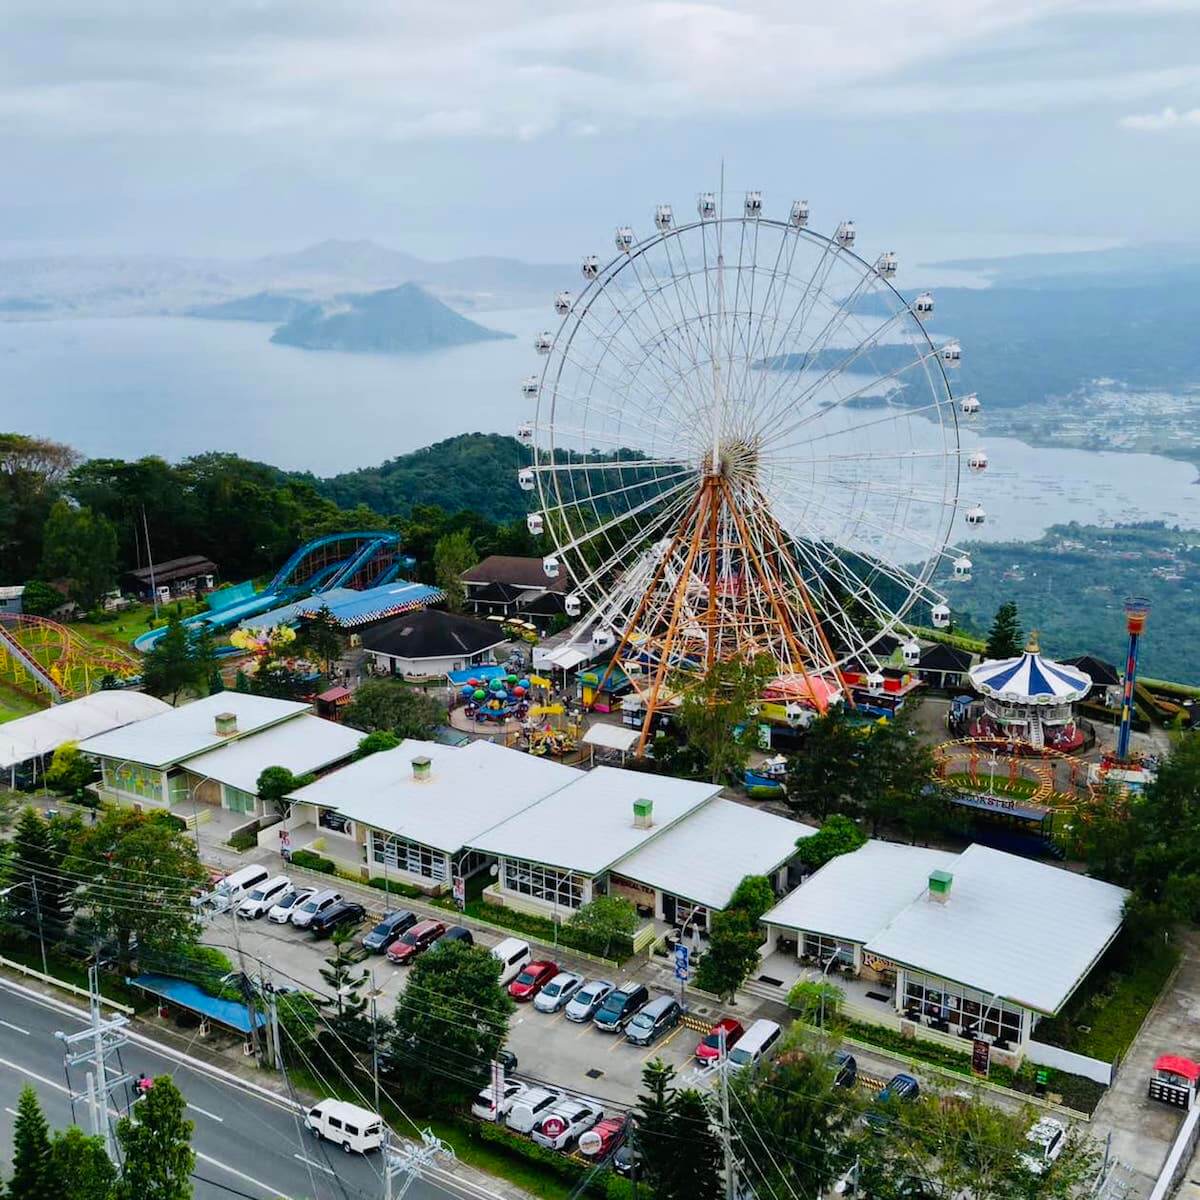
x: 358, y: 560
x: 55, y: 660
x: 1137, y: 609
x: 496, y: 697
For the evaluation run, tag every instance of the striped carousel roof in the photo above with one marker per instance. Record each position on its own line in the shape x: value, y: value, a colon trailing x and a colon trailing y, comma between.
x: 1030, y: 679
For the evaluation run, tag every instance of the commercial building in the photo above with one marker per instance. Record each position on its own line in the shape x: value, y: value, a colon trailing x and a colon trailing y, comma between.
x: 975, y: 944
x: 211, y: 752
x: 188, y: 575
x: 512, y: 587
x: 431, y: 643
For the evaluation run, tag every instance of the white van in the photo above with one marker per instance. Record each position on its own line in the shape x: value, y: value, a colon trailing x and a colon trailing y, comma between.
x: 233, y: 887
x: 528, y: 1109
x: 353, y: 1128
x: 512, y: 954
x: 262, y: 899
x: 755, y: 1045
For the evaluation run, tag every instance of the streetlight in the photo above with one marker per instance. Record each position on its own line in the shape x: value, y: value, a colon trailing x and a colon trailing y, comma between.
x: 37, y: 908
x: 824, y: 972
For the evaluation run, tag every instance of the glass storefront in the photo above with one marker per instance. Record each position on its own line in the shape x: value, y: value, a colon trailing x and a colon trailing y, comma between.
x: 549, y: 884
x: 133, y: 779
x: 399, y: 854
x: 928, y: 998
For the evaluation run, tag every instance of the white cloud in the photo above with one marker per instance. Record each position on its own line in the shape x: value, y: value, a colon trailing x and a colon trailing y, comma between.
x: 1167, y: 118
x: 520, y: 69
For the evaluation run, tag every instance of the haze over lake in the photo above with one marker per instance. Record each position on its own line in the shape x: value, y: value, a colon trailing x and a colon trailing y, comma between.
x: 177, y: 386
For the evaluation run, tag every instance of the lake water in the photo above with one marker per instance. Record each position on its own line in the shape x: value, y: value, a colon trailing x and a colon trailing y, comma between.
x: 175, y: 386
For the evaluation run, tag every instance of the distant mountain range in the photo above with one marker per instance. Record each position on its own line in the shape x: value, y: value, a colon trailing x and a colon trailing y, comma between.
x: 149, y: 285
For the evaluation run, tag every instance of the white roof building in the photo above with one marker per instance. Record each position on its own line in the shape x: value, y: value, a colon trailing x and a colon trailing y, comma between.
x: 182, y: 733
x: 302, y: 745
x: 76, y: 720
x: 588, y: 825
x: 467, y: 791
x: 852, y: 897
x: 1013, y: 928
x: 706, y: 856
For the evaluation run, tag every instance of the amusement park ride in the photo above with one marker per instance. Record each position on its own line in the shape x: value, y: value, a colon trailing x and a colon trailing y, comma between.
x: 741, y: 431
x: 50, y: 657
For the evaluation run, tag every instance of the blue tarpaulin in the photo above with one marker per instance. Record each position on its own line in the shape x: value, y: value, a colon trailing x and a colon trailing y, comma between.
x: 188, y: 995
x: 458, y: 678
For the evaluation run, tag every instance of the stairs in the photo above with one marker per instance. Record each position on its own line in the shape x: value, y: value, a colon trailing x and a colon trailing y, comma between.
x: 1037, y: 738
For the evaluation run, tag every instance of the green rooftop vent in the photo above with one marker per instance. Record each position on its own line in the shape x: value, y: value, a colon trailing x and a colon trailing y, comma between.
x: 420, y: 766
x: 226, y: 724
x: 643, y: 814
x: 940, y: 883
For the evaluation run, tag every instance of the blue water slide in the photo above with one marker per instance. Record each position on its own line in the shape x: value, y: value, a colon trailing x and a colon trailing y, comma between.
x: 360, y: 560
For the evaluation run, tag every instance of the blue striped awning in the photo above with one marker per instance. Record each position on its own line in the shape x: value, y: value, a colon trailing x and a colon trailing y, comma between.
x: 1030, y: 679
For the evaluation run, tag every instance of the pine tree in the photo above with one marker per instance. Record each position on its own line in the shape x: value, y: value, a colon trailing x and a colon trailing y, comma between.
x: 32, y: 1172
x: 699, y: 1165
x: 1004, y: 640
x: 156, y: 1146
x: 679, y: 1155
x: 346, y: 1007
x: 38, y: 850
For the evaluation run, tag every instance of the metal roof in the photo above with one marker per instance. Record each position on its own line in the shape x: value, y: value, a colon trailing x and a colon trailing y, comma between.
x: 181, y: 733
x: 587, y: 825
x: 612, y: 737
x: 76, y: 720
x: 468, y: 790
x: 853, y: 896
x: 1030, y: 679
x: 706, y: 856
x: 304, y: 744
x: 1013, y: 928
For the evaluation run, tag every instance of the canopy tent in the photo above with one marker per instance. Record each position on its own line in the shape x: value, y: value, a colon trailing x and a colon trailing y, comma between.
x: 612, y: 737
x: 1030, y: 679
x: 230, y: 1013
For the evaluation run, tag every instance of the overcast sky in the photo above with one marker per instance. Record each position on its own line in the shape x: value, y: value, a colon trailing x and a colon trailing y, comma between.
x: 531, y: 129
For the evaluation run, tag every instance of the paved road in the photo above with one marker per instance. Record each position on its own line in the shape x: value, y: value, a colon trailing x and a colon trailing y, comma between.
x: 246, y: 1143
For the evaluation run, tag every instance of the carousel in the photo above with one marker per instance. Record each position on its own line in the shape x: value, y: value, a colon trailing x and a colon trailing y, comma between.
x: 1030, y: 699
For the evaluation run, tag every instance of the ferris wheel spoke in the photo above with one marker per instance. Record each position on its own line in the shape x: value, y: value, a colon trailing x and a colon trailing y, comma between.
x: 867, y: 456
x: 892, y: 416
x: 615, y: 521
x: 872, y: 487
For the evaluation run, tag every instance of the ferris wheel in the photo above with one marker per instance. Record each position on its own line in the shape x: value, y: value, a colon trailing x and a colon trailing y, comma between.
x: 745, y: 442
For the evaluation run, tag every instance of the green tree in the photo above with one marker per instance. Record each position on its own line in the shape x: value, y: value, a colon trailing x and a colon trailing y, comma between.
x: 127, y: 853
x: 36, y: 858
x: 754, y: 895
x: 612, y: 918
x: 680, y: 1155
x: 32, y: 1172
x: 32, y: 474
x: 80, y: 1166
x: 815, y: 1000
x: 373, y: 743
x: 156, y: 1144
x: 838, y: 835
x: 824, y: 775
x: 715, y: 708
x: 1005, y: 639
x: 731, y: 955
x: 173, y: 665
x: 321, y: 636
x: 275, y: 784
x: 386, y: 704
x: 69, y: 771
x: 897, y: 776
x: 450, y: 1022
x: 346, y: 1006
x: 81, y: 547
x: 39, y: 599
x: 453, y: 555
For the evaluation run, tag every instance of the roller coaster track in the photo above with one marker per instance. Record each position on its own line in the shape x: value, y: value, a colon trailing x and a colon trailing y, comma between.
x: 55, y: 659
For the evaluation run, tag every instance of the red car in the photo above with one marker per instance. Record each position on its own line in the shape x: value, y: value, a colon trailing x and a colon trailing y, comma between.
x: 532, y: 979
x: 603, y: 1138
x: 420, y: 937
x: 709, y: 1049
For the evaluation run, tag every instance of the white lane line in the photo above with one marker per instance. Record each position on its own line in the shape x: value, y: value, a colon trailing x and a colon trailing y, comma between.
x: 58, y: 1087
x: 320, y: 1166
x: 269, y: 1188
x: 12, y: 1112
x: 205, y: 1113
x: 14, y: 1028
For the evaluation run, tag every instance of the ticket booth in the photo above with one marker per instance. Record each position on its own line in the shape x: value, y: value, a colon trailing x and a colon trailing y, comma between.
x: 1174, y: 1081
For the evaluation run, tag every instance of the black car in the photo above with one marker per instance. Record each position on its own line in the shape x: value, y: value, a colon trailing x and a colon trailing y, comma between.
x: 619, y: 1006
x: 847, y: 1069
x: 344, y: 912
x: 456, y: 933
x: 626, y: 1159
x: 388, y: 930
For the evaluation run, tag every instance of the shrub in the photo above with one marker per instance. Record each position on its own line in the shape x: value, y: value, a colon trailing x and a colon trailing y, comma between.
x: 521, y: 1147
x: 393, y: 885
x: 204, y: 965
x: 810, y: 998
x: 313, y: 862
x: 544, y: 930
x: 245, y: 839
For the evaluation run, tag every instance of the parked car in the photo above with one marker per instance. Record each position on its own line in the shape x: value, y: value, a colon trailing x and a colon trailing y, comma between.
x: 512, y: 954
x: 653, y: 1020
x: 486, y: 1109
x: 318, y: 902
x: 229, y: 892
x: 900, y: 1089
x: 1046, y: 1138
x: 527, y: 1110
x: 345, y: 912
x: 557, y: 992
x: 565, y: 1122
x: 613, y: 1015
x: 582, y: 1006
x: 389, y: 928
x: 755, y: 1046
x: 353, y: 1128
x: 626, y: 1159
x: 262, y: 898
x: 709, y: 1049
x: 533, y: 977
x: 604, y: 1137
x: 289, y: 903
x: 412, y: 942
x: 847, y: 1069
x: 456, y: 933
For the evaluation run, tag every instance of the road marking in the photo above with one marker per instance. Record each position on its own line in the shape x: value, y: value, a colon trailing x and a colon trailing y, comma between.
x: 655, y: 1047
x: 205, y: 1113
x: 58, y: 1087
x: 11, y: 1111
x: 620, y: 1040
x: 320, y: 1166
x: 269, y: 1188
x: 15, y: 1028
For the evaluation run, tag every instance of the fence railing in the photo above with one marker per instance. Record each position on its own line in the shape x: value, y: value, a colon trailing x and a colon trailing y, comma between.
x: 62, y: 984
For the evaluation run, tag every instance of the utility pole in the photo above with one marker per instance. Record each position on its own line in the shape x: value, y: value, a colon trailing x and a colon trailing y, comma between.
x: 726, y: 1133
x: 406, y: 1162
x: 375, y: 1041
x: 101, y: 1040
x: 37, y: 909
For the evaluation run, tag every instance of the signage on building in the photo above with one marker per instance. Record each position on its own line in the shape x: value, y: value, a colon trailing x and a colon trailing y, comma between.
x: 981, y: 1056
x: 681, y: 962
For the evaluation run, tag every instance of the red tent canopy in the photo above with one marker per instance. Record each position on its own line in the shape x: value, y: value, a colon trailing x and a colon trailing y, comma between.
x: 1178, y: 1066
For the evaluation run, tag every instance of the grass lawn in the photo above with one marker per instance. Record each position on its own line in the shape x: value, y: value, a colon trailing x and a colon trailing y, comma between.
x: 70, y: 971
x: 14, y: 703
x: 1019, y: 788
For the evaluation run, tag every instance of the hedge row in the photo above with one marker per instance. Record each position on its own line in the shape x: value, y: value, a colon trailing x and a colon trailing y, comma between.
x: 314, y: 862
x: 393, y: 885
x: 605, y: 1183
x: 543, y: 929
